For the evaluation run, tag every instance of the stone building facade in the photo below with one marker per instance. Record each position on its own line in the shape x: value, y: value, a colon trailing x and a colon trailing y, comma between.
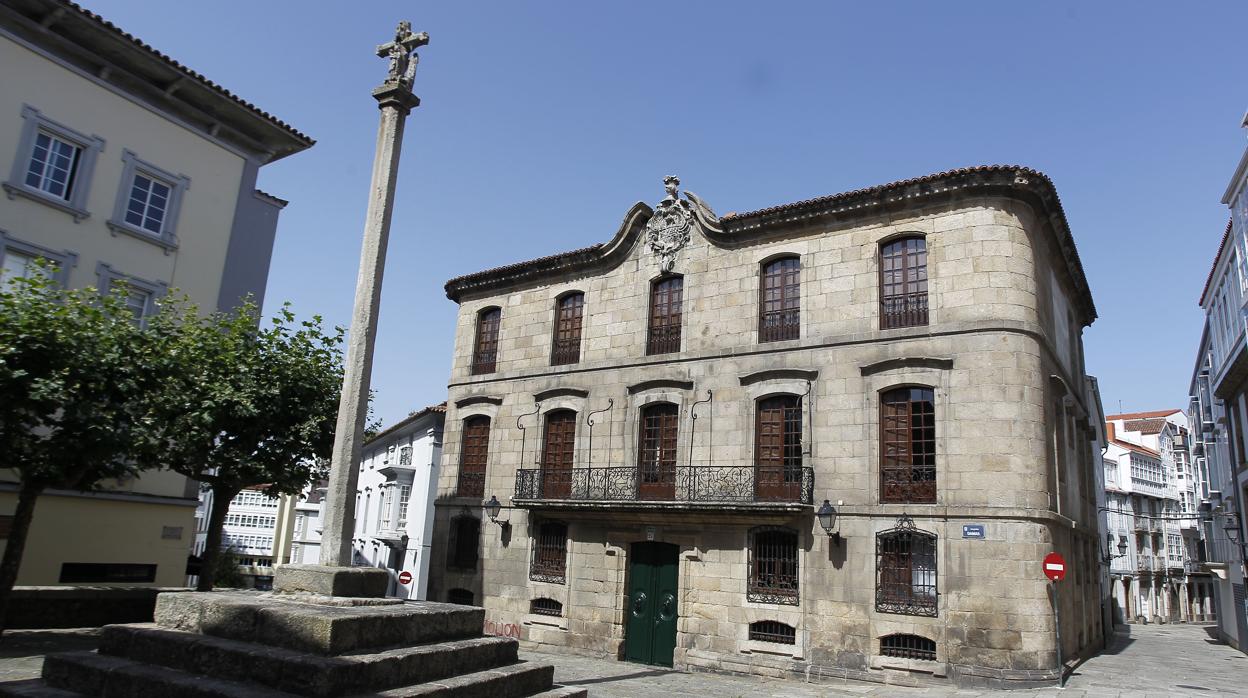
x: 663, y: 417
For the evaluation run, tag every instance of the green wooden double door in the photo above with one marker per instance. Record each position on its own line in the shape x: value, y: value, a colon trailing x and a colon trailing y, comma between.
x: 650, y: 637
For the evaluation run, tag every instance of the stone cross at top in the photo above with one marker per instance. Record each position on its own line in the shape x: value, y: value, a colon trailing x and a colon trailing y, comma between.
x: 399, y: 52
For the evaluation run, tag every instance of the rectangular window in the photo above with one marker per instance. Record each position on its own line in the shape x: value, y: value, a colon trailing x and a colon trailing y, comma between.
x: 473, y: 455
x: 485, y: 351
x: 905, y: 570
x: 908, y: 445
x: 550, y: 553
x: 568, y: 319
x: 53, y: 163
x: 779, y: 304
x: 665, y: 316
x: 903, y: 283
x: 149, y: 199
x: 773, y: 566
x: 405, y: 496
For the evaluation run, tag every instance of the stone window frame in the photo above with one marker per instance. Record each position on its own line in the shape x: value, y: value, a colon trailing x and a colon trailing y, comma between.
x: 132, y: 166
x: 63, y: 261
x: 548, y: 489
x: 755, y: 590
x: 106, y: 276
x: 880, y: 398
x: 913, y: 603
x: 894, y: 373
x: 460, y: 489
x: 542, y: 564
x: 570, y: 353
x: 881, y: 245
x: 482, y: 345
x: 763, y: 267
x: 636, y: 401
x: 647, y: 410
x: 33, y: 121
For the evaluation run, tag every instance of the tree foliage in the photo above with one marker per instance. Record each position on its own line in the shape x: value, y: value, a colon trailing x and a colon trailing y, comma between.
x: 257, y: 405
x: 76, y: 376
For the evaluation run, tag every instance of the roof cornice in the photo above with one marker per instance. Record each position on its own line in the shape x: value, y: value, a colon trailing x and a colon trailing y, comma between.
x: 1011, y: 181
x: 91, y: 43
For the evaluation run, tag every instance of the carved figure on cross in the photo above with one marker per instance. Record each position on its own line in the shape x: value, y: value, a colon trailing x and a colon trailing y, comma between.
x: 399, y: 52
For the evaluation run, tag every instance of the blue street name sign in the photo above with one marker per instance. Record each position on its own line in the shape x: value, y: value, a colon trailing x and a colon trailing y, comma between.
x: 972, y: 530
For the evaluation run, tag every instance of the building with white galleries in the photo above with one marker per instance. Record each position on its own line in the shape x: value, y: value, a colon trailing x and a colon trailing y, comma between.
x: 1153, y: 540
x: 257, y: 530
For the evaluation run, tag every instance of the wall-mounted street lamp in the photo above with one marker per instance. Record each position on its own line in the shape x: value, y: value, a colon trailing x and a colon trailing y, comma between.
x: 827, y: 519
x: 1232, y: 528
x: 492, y: 510
x: 1109, y: 544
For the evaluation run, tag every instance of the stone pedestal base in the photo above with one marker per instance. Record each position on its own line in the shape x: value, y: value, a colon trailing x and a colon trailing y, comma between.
x: 247, y: 644
x: 358, y: 582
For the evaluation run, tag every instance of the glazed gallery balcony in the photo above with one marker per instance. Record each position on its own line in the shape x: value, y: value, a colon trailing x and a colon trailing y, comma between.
x: 683, y: 487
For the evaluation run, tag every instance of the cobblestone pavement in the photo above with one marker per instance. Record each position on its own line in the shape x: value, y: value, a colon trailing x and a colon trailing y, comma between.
x: 1144, y: 661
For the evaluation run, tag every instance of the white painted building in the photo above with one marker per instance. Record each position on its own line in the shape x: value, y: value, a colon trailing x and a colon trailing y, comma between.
x: 306, y: 542
x: 1152, y: 538
x: 257, y: 529
x: 394, y: 500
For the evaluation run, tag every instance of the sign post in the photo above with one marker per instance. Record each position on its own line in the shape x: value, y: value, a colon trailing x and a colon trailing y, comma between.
x: 1055, y: 570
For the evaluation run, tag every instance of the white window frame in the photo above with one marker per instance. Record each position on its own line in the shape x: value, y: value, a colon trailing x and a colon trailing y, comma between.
x: 63, y: 260
x: 107, y: 276
x: 33, y: 121
x: 178, y: 185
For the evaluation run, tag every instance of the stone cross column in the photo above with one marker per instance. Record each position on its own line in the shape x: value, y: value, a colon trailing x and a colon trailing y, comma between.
x: 396, y: 101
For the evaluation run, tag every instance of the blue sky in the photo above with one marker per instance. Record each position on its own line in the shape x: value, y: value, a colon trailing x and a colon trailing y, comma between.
x: 542, y: 123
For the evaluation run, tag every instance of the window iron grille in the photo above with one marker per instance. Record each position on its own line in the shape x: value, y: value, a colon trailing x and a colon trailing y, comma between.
x: 773, y: 566
x: 908, y: 647
x: 546, y: 607
x: 905, y: 566
x: 550, y: 553
x: 773, y: 631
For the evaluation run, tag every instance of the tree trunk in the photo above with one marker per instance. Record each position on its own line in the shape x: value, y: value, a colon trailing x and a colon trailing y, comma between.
x: 16, y: 544
x: 221, y: 498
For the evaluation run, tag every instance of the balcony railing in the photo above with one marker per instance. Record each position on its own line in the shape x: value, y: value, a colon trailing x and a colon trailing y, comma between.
x: 663, y: 339
x: 697, y: 484
x: 903, y: 310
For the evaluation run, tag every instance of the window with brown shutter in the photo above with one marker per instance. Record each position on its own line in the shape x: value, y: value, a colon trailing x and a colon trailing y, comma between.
x: 550, y: 553
x: 665, y: 312
x: 485, y: 351
x: 903, y: 283
x: 569, y: 311
x: 656, y: 452
x: 473, y: 455
x: 780, y: 300
x: 908, y: 445
x: 558, y: 450
x: 778, y: 449
x: 773, y: 565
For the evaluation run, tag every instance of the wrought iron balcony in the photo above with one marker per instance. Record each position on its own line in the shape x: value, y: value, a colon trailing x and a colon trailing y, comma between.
x: 745, y: 484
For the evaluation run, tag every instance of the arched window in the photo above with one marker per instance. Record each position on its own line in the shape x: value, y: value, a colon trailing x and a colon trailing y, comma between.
x: 546, y: 607
x: 473, y: 454
x: 773, y: 565
x: 908, y: 647
x: 778, y: 449
x: 485, y: 349
x: 558, y: 450
x: 656, y: 451
x: 905, y: 570
x: 463, y: 597
x: 773, y: 631
x: 903, y: 283
x: 566, y: 348
x: 779, y: 300
x: 665, y: 314
x: 908, y: 445
x: 550, y: 553
x: 464, y: 544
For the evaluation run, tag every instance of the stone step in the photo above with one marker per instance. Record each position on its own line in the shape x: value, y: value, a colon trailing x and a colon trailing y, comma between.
x: 563, y: 692
x: 312, y: 627
x: 302, y: 673
x: 33, y: 688
x: 100, y: 675
x: 519, y: 680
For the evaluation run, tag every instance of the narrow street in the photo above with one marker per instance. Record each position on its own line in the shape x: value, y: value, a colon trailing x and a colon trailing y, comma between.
x: 1144, y: 661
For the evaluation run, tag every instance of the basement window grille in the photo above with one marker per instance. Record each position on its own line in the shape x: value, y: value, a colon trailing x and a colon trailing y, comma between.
x: 550, y: 554
x: 773, y: 631
x: 546, y: 607
x: 908, y: 647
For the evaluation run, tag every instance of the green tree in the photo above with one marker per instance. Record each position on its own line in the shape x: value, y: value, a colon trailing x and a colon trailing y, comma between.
x: 225, y: 573
x: 257, y: 406
x: 76, y: 373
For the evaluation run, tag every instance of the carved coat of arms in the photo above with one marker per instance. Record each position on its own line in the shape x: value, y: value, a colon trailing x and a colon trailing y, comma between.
x: 668, y: 230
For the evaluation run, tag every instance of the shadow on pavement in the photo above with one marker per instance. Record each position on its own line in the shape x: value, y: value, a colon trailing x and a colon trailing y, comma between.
x: 621, y: 677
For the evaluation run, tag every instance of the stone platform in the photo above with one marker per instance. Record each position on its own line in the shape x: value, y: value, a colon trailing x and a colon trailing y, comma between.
x: 249, y: 644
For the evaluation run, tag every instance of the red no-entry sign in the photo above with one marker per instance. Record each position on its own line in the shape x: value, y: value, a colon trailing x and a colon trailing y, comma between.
x: 405, y: 577
x: 1055, y: 567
